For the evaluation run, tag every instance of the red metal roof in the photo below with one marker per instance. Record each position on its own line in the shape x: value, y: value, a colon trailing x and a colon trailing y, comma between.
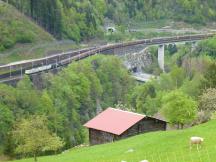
x: 114, y: 121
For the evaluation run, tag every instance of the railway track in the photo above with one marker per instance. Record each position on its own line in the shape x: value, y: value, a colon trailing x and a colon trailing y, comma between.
x: 13, y: 70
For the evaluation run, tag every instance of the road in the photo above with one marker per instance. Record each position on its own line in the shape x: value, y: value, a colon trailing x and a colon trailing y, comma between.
x: 143, y: 77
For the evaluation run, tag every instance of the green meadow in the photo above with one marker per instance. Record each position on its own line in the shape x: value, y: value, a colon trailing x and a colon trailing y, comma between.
x: 169, y: 146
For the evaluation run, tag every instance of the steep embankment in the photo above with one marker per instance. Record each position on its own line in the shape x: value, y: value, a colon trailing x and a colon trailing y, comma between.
x: 21, y: 38
x: 17, y: 28
x: 170, y: 146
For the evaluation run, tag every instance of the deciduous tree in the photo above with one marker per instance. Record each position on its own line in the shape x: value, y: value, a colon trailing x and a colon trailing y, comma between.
x: 210, y: 77
x: 6, y: 121
x: 32, y: 136
x: 179, y: 108
x: 207, y: 101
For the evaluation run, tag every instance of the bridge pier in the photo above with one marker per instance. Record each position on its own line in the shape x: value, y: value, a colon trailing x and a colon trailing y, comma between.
x: 161, y: 57
x: 193, y: 46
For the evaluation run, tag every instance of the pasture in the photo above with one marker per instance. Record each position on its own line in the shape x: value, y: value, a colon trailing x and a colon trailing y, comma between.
x: 169, y: 146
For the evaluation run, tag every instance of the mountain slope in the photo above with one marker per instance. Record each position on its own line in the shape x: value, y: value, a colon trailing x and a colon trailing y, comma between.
x: 156, y: 147
x: 82, y: 20
x: 17, y: 28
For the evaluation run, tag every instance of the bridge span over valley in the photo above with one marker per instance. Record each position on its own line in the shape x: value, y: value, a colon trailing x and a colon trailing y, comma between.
x: 16, y: 70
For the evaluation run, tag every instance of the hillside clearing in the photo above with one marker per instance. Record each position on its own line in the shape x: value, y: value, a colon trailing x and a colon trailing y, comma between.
x: 170, y: 146
x: 17, y: 31
x: 17, y: 28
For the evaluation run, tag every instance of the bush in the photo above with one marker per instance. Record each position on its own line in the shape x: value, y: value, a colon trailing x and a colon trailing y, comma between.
x: 8, y: 42
x: 213, y: 116
x: 2, y: 48
x: 26, y: 37
x: 207, y: 101
x: 116, y: 37
x: 202, y: 117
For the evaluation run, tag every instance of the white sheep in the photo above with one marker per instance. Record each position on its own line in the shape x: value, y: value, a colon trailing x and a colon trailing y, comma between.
x: 130, y: 150
x: 144, y: 161
x: 196, y: 141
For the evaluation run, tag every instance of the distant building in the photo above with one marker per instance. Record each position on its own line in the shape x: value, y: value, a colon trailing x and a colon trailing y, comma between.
x: 114, y: 124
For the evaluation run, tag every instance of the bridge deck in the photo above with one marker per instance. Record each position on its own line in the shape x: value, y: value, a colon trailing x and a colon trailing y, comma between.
x: 67, y: 57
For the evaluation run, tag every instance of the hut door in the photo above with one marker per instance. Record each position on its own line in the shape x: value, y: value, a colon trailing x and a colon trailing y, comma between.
x: 139, y: 128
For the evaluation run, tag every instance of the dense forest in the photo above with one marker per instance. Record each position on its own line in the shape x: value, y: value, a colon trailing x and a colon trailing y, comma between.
x: 84, y: 19
x: 67, y: 100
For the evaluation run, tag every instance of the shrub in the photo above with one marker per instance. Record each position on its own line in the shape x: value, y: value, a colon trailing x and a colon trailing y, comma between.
x: 26, y: 37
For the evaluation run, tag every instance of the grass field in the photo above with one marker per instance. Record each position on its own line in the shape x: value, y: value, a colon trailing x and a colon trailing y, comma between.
x: 169, y: 146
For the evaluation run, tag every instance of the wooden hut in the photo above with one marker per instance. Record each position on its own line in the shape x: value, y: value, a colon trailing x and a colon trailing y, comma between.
x: 114, y: 124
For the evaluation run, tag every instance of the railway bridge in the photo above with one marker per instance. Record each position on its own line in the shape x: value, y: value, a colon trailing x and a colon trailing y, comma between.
x: 15, y: 70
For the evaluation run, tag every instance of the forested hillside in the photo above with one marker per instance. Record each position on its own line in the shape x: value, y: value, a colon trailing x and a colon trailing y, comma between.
x: 65, y: 18
x: 17, y: 28
x: 189, y: 73
x: 68, y: 99
x: 80, y: 20
x: 190, y: 11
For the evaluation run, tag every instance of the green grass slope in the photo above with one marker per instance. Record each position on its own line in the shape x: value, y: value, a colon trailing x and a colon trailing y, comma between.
x: 21, y: 38
x: 169, y: 146
x: 17, y: 28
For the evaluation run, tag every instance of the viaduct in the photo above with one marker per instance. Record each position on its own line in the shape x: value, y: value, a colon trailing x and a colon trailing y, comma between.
x: 15, y: 71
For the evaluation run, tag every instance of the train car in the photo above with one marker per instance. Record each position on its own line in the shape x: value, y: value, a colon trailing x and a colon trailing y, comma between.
x: 38, y: 69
